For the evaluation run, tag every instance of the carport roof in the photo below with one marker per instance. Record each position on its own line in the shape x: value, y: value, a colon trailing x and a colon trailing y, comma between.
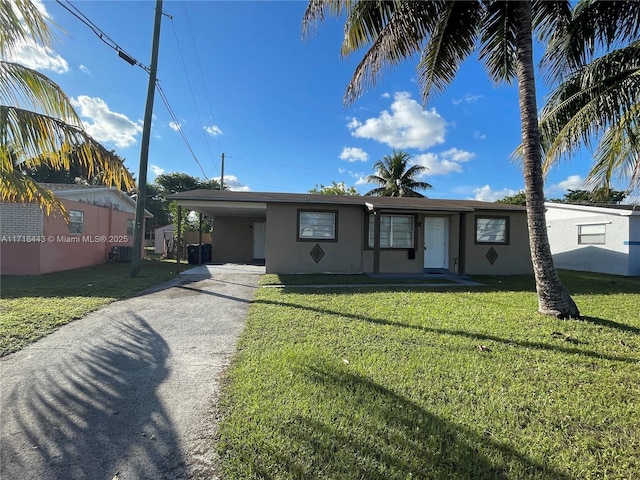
x: 226, y: 202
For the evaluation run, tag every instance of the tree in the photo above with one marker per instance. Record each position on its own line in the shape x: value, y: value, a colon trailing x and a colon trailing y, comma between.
x: 518, y: 199
x: 394, y: 179
x: 38, y: 125
x: 445, y: 33
x: 598, y: 101
x: 175, y: 182
x: 601, y: 195
x: 334, y: 189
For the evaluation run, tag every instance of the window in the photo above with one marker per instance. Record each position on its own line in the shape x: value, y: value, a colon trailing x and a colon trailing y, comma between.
x: 76, y: 219
x: 317, y: 225
x: 130, y: 226
x: 591, y: 234
x: 396, y: 231
x: 492, y: 230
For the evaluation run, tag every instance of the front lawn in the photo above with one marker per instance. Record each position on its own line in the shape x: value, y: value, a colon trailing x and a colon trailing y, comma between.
x: 34, y: 306
x: 465, y: 383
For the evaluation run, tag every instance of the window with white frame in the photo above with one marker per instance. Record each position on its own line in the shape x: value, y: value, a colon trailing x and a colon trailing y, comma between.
x: 317, y: 225
x: 396, y: 231
x: 592, y: 234
x: 130, y: 226
x: 492, y: 230
x: 76, y: 221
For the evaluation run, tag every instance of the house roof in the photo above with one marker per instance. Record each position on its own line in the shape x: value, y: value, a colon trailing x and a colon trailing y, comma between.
x: 71, y: 190
x: 226, y: 202
x: 619, y: 210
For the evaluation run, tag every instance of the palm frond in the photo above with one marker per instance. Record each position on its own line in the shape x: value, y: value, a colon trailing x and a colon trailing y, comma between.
x: 498, y: 51
x: 589, y: 102
x: 595, y: 25
x: 617, y: 155
x: 21, y: 21
x: 454, y: 34
x: 47, y: 140
x: 28, y: 89
x: 17, y: 187
x: 400, y: 35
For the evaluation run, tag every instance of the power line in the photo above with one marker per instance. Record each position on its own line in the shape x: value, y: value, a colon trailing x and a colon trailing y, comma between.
x: 179, y: 127
x: 132, y: 61
x: 73, y: 10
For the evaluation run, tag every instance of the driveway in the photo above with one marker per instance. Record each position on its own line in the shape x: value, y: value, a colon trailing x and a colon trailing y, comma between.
x: 129, y: 391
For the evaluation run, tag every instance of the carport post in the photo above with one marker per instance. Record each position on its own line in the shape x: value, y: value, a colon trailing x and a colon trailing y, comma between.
x: 376, y: 241
x: 200, y: 239
x: 178, y: 234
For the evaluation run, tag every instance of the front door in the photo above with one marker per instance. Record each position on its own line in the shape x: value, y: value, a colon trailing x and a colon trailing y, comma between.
x: 436, y: 242
x: 259, y: 240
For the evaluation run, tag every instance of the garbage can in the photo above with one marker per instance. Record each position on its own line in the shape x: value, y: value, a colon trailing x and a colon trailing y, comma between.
x: 192, y: 253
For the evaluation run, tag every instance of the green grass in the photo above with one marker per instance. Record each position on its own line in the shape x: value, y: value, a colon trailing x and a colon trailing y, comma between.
x: 34, y: 306
x: 363, y: 383
x: 338, y: 279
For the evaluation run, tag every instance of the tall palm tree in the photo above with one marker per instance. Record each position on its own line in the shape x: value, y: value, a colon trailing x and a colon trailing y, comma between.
x: 445, y: 33
x: 394, y: 179
x: 38, y: 125
x: 598, y: 100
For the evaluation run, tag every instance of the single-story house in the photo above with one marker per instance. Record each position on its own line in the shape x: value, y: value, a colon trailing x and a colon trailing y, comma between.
x: 305, y: 233
x: 100, y: 218
x: 603, y: 239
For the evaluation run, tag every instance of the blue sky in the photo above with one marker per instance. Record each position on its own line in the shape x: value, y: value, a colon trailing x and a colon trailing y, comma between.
x: 240, y: 80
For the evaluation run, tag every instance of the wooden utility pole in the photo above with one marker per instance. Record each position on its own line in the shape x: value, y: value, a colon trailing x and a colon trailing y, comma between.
x: 138, y: 233
x: 222, y: 174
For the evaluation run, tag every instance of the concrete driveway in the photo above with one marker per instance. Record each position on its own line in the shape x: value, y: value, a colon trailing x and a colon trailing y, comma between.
x: 129, y: 391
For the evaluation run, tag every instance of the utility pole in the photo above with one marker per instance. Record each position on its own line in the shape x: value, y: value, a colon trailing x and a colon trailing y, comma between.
x: 222, y: 174
x: 138, y: 233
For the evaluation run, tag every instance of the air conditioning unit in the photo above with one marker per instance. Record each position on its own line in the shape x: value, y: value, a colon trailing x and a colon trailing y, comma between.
x: 121, y: 253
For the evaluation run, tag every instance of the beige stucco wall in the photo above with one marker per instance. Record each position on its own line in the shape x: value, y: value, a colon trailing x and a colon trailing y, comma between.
x: 233, y: 239
x: 513, y: 259
x: 285, y: 254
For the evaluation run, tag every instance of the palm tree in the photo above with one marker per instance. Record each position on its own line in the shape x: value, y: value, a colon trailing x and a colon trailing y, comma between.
x: 394, y: 179
x: 38, y: 125
x: 445, y: 33
x: 598, y: 100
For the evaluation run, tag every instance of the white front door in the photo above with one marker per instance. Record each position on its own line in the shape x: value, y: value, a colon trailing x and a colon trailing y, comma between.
x: 436, y: 242
x: 259, y: 240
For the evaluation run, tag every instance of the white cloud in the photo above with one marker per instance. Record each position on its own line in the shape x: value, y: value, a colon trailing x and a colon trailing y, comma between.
x: 213, y: 130
x: 175, y: 126
x: 354, y: 154
x: 444, y: 163
x: 361, y: 179
x: 573, y: 182
x: 84, y: 69
x: 37, y: 57
x: 407, y: 126
x: 385, y: 95
x: 233, y: 184
x: 156, y: 169
x: 468, y: 98
x: 486, y: 194
x: 105, y: 125
x: 479, y: 136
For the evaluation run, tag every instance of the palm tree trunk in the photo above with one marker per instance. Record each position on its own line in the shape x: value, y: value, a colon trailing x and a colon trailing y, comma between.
x: 553, y: 298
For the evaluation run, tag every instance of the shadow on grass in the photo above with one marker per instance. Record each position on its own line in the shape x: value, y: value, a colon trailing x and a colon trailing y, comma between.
x: 88, y: 414
x: 394, y: 439
x: 474, y: 335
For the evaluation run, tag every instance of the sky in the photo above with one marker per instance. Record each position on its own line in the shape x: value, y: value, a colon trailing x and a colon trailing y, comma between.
x: 239, y: 79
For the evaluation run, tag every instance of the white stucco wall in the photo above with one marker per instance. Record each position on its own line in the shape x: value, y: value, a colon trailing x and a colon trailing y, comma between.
x: 612, y: 257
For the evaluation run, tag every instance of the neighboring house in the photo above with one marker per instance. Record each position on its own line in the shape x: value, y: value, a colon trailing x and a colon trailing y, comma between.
x: 34, y: 243
x: 164, y: 239
x: 595, y: 238
x: 304, y: 233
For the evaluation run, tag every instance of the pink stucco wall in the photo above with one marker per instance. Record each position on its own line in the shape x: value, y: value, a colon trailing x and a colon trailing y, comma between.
x: 59, y: 250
